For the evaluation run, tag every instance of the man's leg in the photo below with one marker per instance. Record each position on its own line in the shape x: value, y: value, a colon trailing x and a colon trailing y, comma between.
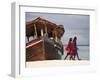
x: 66, y: 56
x: 77, y: 56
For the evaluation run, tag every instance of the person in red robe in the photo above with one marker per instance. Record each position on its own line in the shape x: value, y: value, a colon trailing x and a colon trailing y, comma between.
x: 69, y: 49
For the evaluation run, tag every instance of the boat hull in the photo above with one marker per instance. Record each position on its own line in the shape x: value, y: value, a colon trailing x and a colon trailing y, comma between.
x: 41, y: 50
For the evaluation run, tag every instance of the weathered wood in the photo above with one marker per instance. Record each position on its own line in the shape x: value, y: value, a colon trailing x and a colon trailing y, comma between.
x: 44, y: 50
x: 41, y: 48
x: 47, y: 26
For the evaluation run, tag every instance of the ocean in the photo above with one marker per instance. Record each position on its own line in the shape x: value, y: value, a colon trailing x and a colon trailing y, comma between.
x: 83, y: 52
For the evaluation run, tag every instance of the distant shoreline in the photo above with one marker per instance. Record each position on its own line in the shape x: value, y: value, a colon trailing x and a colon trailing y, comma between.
x: 77, y: 45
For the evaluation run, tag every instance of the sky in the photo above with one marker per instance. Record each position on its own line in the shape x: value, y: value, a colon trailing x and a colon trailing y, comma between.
x: 74, y: 25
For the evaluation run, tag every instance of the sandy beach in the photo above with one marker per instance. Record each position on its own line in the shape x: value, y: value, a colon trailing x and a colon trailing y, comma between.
x: 55, y: 63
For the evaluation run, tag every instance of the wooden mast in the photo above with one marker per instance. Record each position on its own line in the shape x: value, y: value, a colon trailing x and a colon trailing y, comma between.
x: 42, y: 32
x: 55, y: 35
x: 46, y: 33
x: 35, y: 30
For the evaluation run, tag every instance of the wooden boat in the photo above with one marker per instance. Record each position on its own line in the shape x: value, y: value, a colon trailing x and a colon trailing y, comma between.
x: 46, y: 43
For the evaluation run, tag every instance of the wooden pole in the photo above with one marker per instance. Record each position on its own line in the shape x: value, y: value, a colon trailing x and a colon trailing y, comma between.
x: 41, y: 32
x: 55, y: 33
x: 56, y: 37
x: 35, y: 30
x: 46, y: 32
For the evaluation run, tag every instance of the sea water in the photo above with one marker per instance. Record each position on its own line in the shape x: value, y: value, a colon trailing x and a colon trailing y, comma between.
x: 83, y: 52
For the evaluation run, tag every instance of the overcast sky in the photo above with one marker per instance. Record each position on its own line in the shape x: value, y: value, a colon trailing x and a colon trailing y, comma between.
x: 74, y: 25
